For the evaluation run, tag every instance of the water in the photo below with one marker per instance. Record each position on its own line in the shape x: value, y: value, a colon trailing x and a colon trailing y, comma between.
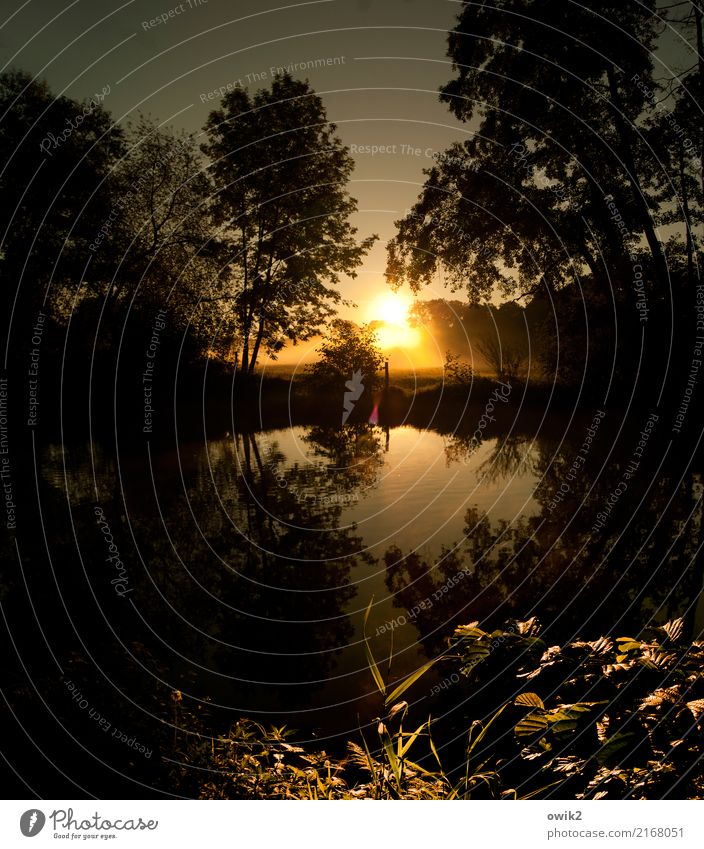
x: 249, y: 560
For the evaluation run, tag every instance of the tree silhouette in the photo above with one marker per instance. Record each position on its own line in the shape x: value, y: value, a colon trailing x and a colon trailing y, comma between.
x: 281, y: 200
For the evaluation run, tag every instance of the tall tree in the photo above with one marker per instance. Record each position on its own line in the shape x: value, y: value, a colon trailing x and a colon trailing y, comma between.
x: 557, y: 181
x: 155, y: 249
x: 281, y: 176
x: 55, y: 155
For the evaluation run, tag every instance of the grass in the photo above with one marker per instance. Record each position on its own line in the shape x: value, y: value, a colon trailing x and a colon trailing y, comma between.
x: 611, y: 718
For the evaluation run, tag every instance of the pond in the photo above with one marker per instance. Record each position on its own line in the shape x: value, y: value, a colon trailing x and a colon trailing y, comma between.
x: 239, y: 569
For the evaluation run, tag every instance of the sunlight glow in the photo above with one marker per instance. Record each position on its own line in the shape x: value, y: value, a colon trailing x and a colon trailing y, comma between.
x: 395, y: 332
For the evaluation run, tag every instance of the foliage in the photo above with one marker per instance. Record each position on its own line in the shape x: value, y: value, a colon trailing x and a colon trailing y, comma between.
x: 578, y: 155
x: 456, y: 371
x: 507, y: 361
x: 611, y: 718
x: 555, y: 137
x: 281, y: 176
x: 346, y: 350
x: 56, y: 155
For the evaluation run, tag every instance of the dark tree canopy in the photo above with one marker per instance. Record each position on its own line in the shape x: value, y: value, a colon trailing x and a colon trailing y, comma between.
x: 556, y: 90
x: 282, y: 202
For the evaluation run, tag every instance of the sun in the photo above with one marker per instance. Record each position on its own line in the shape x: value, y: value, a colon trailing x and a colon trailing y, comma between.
x: 395, y: 331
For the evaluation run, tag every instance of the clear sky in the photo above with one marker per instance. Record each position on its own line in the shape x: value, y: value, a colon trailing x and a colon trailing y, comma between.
x: 382, y: 62
x: 388, y: 58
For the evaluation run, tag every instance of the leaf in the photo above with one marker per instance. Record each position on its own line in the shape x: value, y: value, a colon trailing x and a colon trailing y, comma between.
x: 601, y: 646
x: 674, y: 629
x: 627, y: 644
x: 530, y: 628
x: 563, y: 726
x: 432, y: 746
x: 411, y: 740
x: 613, y: 668
x: 697, y: 708
x: 390, y: 754
x: 399, y: 706
x: 374, y: 669
x: 529, y: 700
x: 620, y: 741
x: 473, y: 745
x: 371, y: 663
x: 534, y: 723
x: 408, y: 682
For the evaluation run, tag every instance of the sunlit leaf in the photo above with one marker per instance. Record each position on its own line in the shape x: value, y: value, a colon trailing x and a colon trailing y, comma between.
x: 529, y: 700
x: 531, y: 725
x: 674, y: 629
x: 408, y: 682
x: 618, y: 744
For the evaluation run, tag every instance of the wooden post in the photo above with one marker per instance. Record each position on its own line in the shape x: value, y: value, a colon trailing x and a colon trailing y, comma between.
x: 386, y: 374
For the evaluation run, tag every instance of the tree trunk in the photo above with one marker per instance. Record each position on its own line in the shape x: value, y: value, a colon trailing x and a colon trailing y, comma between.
x: 700, y: 60
x: 641, y: 204
x: 687, y: 217
x: 257, y: 344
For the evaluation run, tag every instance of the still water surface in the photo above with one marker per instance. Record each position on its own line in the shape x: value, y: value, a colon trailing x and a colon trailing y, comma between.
x: 252, y: 558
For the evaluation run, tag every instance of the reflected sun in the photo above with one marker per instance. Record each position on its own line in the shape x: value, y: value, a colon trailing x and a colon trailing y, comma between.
x: 394, y: 331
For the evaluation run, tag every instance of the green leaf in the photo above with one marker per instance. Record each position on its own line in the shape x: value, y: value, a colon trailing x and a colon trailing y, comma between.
x: 674, y: 629
x: 408, y: 682
x: 620, y: 741
x: 561, y: 727
x: 371, y: 663
x: 394, y: 762
x: 374, y: 669
x: 411, y: 740
x: 473, y: 745
x: 627, y: 644
x: 432, y: 746
x: 529, y: 700
x: 533, y: 724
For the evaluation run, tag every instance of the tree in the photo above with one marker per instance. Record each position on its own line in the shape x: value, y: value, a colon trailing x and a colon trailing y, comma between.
x: 346, y: 351
x: 155, y: 249
x: 281, y: 177
x: 558, y: 181
x: 56, y: 154
x: 506, y: 360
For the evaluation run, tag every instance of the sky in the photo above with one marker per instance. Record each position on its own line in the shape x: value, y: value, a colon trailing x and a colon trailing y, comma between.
x: 383, y: 62
x: 388, y: 59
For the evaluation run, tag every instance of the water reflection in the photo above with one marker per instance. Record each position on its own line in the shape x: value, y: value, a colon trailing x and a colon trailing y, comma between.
x: 251, y: 560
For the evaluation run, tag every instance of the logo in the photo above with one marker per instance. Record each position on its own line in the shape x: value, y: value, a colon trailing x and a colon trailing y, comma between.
x: 354, y: 388
x: 32, y: 822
